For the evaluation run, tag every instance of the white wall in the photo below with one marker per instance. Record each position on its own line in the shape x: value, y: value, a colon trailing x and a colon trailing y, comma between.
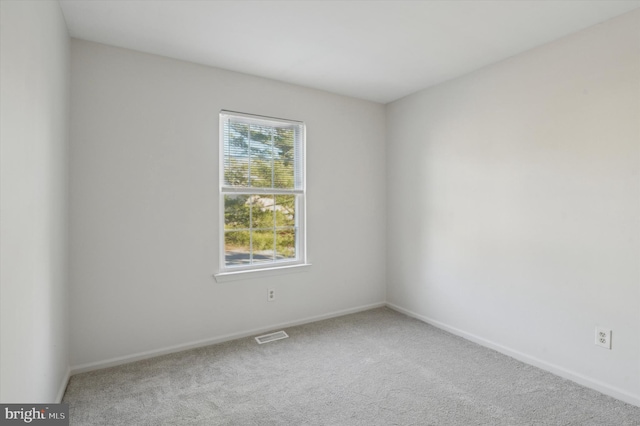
x: 514, y: 205
x: 144, y: 204
x: 34, y: 96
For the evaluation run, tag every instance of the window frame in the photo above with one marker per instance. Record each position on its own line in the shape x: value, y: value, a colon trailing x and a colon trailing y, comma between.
x: 283, y: 266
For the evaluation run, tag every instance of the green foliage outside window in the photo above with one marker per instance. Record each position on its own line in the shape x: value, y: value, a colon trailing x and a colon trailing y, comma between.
x: 264, y: 221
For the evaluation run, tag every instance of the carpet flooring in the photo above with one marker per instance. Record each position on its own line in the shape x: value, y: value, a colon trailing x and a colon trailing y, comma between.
x: 377, y: 367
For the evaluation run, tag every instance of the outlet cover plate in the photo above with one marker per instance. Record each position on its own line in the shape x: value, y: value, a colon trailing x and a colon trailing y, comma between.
x: 603, y: 337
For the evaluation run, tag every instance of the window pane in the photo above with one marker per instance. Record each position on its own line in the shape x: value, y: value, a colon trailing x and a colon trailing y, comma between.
x: 262, y: 211
x: 261, y: 156
x: 285, y: 210
x: 263, y: 242
x: 286, y: 244
x: 283, y: 160
x: 237, y: 248
x: 236, y: 154
x: 237, y: 212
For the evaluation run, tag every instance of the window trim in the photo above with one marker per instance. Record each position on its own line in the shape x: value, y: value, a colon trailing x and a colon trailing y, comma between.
x: 223, y: 277
x: 262, y: 269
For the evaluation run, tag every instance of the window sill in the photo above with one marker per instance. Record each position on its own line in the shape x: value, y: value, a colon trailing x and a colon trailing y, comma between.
x: 260, y: 273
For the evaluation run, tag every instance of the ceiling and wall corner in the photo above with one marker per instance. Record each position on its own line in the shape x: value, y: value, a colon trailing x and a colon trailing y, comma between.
x: 377, y: 50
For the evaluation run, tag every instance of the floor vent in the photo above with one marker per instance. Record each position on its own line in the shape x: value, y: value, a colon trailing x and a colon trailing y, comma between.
x: 271, y: 337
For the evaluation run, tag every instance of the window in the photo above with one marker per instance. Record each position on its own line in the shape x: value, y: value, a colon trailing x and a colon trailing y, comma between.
x: 262, y: 192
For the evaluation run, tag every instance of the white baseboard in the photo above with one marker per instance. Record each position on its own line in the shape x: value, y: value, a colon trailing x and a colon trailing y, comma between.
x: 63, y: 385
x: 536, y: 362
x: 82, y: 368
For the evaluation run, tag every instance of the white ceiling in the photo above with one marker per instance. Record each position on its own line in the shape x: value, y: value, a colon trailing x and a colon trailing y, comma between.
x: 375, y: 50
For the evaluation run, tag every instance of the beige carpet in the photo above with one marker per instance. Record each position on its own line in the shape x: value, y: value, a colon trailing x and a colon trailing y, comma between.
x: 377, y: 367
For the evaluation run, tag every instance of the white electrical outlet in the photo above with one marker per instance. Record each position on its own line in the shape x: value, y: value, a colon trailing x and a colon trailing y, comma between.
x: 271, y: 295
x: 603, y: 337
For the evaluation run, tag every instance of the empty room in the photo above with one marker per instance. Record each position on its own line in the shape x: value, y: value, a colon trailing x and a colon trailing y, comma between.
x: 320, y: 212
